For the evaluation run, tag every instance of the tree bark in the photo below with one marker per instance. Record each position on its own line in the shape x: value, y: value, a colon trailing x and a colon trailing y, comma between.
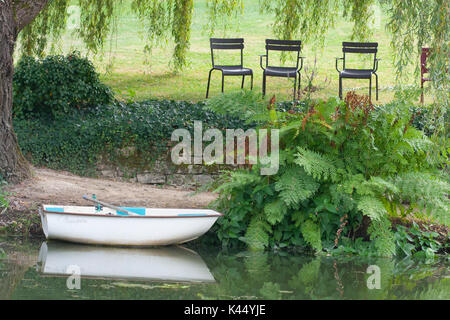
x: 14, y: 15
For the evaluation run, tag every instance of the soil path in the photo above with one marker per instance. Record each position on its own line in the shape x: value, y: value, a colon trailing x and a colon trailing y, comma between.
x: 62, y: 188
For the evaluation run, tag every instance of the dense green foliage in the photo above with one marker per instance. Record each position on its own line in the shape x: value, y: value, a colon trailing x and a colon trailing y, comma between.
x: 55, y: 85
x: 77, y: 143
x: 339, y: 162
x: 415, y: 241
x: 418, y: 24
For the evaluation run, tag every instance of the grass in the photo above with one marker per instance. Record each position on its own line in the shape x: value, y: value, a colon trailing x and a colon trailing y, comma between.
x: 130, y: 72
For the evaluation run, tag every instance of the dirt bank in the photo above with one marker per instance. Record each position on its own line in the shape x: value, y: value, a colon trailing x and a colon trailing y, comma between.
x: 63, y: 188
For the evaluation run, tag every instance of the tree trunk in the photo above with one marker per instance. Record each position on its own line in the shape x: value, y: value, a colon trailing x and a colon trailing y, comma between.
x: 14, y: 15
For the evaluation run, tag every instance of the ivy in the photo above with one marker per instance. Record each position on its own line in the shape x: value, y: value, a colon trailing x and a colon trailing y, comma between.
x: 54, y: 85
x: 89, y: 135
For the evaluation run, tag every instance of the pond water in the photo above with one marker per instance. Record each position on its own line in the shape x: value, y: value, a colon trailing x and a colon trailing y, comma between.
x: 57, y: 270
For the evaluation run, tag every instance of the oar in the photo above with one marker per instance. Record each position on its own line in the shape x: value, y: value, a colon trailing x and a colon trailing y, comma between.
x: 110, y: 206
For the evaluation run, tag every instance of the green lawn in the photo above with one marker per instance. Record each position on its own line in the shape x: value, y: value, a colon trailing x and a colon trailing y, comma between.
x: 125, y: 69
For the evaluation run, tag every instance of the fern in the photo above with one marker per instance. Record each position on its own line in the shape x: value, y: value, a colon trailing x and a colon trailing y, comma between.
x: 320, y: 167
x: 257, y: 235
x: 275, y: 211
x: 295, y: 185
x: 311, y: 234
x: 372, y: 207
x: 380, y: 232
x: 245, y: 104
x: 237, y: 179
x: 427, y: 192
x: 377, y: 186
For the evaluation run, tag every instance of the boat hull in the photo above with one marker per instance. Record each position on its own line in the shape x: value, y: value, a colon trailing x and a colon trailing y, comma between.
x: 125, y: 230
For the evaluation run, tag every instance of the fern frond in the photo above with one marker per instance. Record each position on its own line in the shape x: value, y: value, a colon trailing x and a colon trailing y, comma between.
x: 311, y: 233
x: 295, y: 185
x: 237, y: 179
x: 257, y: 235
x: 372, y: 207
x: 427, y: 191
x: 275, y: 211
x: 319, y: 166
x: 377, y: 186
x: 381, y: 233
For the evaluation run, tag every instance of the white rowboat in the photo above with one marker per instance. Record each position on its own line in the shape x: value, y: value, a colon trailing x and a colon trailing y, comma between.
x: 146, y: 227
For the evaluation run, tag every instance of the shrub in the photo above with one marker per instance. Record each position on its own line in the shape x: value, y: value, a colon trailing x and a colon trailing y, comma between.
x: 57, y: 84
x: 339, y: 162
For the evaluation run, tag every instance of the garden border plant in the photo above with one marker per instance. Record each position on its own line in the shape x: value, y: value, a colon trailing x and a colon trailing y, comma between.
x: 341, y: 162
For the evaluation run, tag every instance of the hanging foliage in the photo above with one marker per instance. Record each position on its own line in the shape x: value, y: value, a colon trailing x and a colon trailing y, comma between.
x: 416, y: 24
x: 181, y: 31
x: 361, y: 13
x: 307, y: 19
x: 50, y: 23
x: 221, y: 12
x: 310, y: 20
x: 96, y: 19
x: 155, y: 17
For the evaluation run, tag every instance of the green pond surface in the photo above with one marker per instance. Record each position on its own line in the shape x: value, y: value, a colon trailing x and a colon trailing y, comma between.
x: 57, y: 270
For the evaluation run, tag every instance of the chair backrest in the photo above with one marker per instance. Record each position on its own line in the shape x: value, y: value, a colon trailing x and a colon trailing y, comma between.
x: 283, y: 45
x: 423, y: 60
x: 360, y: 47
x: 226, y: 44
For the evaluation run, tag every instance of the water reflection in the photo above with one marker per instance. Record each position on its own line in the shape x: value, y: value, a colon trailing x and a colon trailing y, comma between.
x: 181, y: 273
x: 174, y: 263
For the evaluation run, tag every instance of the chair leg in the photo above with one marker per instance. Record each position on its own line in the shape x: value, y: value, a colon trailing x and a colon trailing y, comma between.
x: 209, y: 80
x: 264, y: 85
x: 299, y: 83
x: 340, y: 88
x: 223, y: 78
x: 421, y: 93
x: 251, y: 82
x: 295, y: 85
x: 376, y: 84
x: 242, y: 84
x: 370, y: 90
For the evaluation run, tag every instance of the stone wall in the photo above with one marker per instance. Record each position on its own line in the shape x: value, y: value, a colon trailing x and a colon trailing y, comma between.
x: 160, y: 172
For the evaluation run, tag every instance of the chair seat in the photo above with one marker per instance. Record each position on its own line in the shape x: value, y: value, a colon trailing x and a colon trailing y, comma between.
x: 234, y: 70
x: 356, y: 73
x: 280, y: 71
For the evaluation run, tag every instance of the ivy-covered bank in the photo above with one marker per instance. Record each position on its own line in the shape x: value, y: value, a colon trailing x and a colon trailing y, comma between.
x: 65, y: 118
x: 134, y: 136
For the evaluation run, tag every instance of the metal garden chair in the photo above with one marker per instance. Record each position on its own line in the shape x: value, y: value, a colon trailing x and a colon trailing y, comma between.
x: 364, y: 48
x: 229, y: 70
x: 286, y: 72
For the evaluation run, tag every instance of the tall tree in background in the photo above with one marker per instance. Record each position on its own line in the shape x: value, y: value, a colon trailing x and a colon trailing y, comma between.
x: 14, y: 16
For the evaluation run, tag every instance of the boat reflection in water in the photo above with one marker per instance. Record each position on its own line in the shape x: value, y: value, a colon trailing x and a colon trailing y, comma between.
x: 174, y: 263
